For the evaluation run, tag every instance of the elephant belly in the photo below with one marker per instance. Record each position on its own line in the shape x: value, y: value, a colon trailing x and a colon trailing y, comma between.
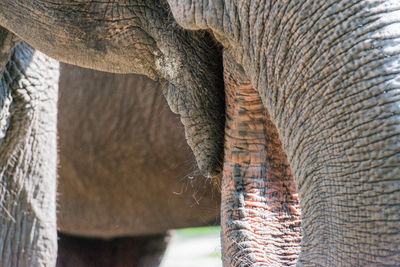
x: 124, y: 165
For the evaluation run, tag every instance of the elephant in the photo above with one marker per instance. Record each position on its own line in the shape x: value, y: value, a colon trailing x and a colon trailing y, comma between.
x: 127, y: 131
x: 294, y: 102
x: 123, y: 222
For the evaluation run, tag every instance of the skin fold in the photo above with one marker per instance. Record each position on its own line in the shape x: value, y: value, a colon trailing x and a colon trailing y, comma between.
x: 326, y: 72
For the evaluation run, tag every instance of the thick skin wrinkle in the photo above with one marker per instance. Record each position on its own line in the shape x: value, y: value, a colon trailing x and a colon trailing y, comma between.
x: 328, y: 72
x: 28, y: 119
x: 125, y: 168
x: 260, y: 211
x: 134, y: 37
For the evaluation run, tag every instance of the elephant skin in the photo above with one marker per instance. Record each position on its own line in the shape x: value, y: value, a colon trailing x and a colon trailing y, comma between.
x: 28, y: 152
x: 124, y: 166
x: 327, y: 74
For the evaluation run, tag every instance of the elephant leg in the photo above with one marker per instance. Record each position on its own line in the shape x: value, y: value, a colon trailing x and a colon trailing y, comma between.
x: 28, y: 157
x: 143, y: 251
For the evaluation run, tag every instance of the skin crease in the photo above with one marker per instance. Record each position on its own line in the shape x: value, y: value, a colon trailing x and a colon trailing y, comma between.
x: 326, y: 71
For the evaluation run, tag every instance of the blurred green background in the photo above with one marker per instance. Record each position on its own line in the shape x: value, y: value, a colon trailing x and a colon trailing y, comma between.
x: 194, y: 247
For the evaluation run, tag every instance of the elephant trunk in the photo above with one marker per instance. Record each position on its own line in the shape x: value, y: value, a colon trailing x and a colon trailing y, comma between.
x: 258, y: 190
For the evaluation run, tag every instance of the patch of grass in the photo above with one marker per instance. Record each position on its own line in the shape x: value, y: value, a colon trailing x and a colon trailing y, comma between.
x: 198, y: 231
x: 215, y: 254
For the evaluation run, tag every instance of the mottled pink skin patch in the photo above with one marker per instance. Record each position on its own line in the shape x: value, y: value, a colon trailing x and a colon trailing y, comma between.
x: 260, y: 210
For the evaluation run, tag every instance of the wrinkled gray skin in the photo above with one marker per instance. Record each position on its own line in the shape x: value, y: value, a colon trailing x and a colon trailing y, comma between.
x: 327, y: 72
x: 28, y: 115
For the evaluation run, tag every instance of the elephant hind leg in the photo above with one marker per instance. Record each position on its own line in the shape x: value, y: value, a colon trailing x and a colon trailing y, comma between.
x: 126, y: 251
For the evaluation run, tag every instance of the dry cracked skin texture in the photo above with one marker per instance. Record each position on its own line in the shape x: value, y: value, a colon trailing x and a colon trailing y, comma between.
x: 327, y: 71
x: 135, y: 37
